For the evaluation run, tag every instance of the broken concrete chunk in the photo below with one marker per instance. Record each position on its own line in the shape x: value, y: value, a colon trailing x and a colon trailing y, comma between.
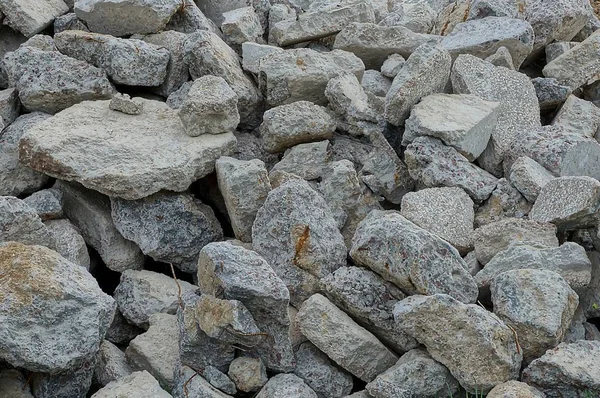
x: 126, y: 61
x: 302, y: 74
x: 49, y: 81
x: 67, y: 295
x: 529, y: 177
x: 417, y: 261
x: 83, y: 143
x: 433, y: 164
x: 538, y: 304
x: 298, y: 238
x: 425, y: 72
x: 241, y: 25
x: 568, y: 202
x: 31, y: 17
x: 578, y: 116
x: 463, y: 121
x: 140, y: 294
x: 210, y: 107
x: 472, y: 334
x: 124, y: 104
x: 483, y: 37
x: 373, y: 82
x: 344, y: 341
x: 244, y: 186
x: 299, y: 122
x: 445, y: 212
x: 252, y: 53
x: 347, y: 97
x: 126, y: 17
x: 374, y: 43
x: 495, y: 237
x: 139, y: 383
x: 320, y: 22
x: 369, y: 299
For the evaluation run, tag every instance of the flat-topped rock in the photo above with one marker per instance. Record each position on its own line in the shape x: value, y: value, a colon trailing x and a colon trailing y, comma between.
x: 122, y: 155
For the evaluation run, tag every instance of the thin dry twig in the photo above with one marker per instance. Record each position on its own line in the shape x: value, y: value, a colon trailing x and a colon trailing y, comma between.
x: 178, y: 287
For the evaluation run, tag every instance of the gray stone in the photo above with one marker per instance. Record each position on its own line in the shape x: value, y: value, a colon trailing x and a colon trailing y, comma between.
x: 568, y: 202
x: 518, y: 110
x: 374, y: 43
x: 417, y: 16
x: 29, y: 16
x: 214, y: 9
x: 83, y: 143
x: 551, y: 94
x: 347, y: 98
x: 196, y: 349
x: 302, y: 74
x: 39, y: 279
x: 578, y: 66
x: 111, y: 364
x: 126, y: 17
x: 41, y: 42
x: 477, y: 347
x: 495, y: 8
x: 433, y: 164
x: 47, y: 203
x: 228, y: 321
x: 189, y: 384
x: 157, y: 350
x: 189, y: 19
x: 369, y: 299
x: 219, y: 380
x: 559, y: 20
x: 483, y: 37
x: 154, y: 224
x: 49, y: 81
x: 495, y: 237
x: 464, y: 122
x: 538, y: 304
x: 73, y: 383
x: 252, y: 53
x: 567, y: 371
x: 137, y: 384
x: 244, y: 186
x: 126, y: 61
x: 504, y: 202
x: 425, y: 72
x: 9, y: 106
x: 21, y: 223
x: 234, y: 273
x: 568, y: 260
x: 307, y: 161
x: 14, y: 385
x: 69, y: 243
x: 415, y: 260
x: 298, y: 238
x: 349, y: 199
x: 207, y: 54
x: 177, y: 69
x: 248, y: 374
x: 140, y: 294
x: 299, y: 122
x: 281, y: 12
x: 241, y: 25
x: 578, y: 116
x: 373, y: 82
x: 392, y: 65
x: 177, y: 97
x: 514, y: 389
x: 445, y: 212
x: 415, y: 374
x: 529, y: 177
x: 316, y: 369
x: 89, y: 211
x: 69, y: 22
x: 344, y: 341
x: 286, y: 386
x: 591, y: 331
x: 16, y: 178
x: 450, y: 15
x: 472, y: 264
x: 326, y: 19
x: 590, y: 297
x: 501, y: 57
x: 210, y: 107
x: 556, y: 49
x: 124, y: 104
x: 120, y: 331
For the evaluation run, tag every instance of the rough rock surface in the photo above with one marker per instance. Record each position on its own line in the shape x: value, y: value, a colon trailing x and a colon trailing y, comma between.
x: 284, y: 386
x: 76, y: 311
x: 21, y: 223
x: 136, y: 383
x: 69, y: 242
x: 82, y: 143
x: 465, y: 326
x: 30, y: 17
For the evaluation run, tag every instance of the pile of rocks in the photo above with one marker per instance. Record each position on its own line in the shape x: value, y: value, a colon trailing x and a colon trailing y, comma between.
x: 299, y: 198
